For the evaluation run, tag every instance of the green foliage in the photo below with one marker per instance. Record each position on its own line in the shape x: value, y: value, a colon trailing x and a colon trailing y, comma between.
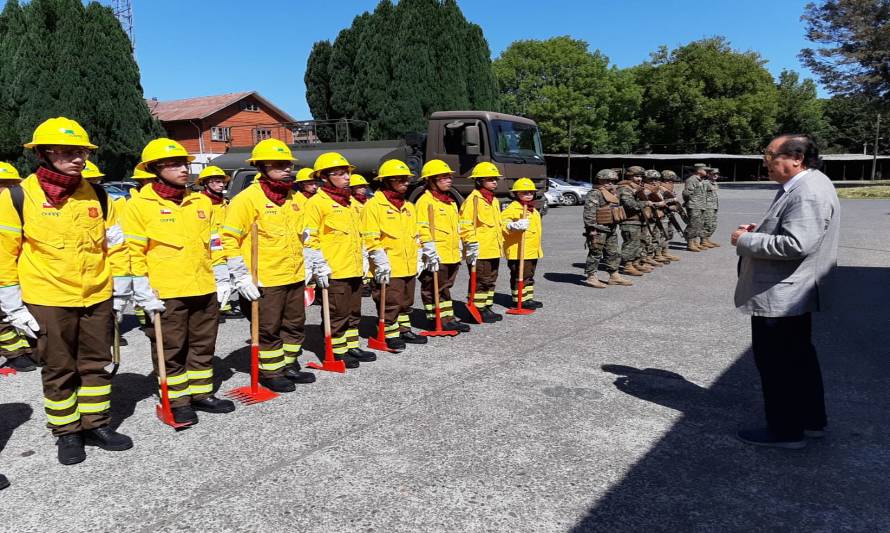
x: 578, y: 101
x: 850, y: 123
x: 800, y: 110
x: 397, y: 65
x: 61, y: 58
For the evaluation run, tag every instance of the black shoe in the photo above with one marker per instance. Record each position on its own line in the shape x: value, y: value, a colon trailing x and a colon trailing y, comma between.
x: 278, y: 384
x: 456, y: 325
x: 764, y: 437
x: 489, y: 316
x: 3, y: 482
x: 351, y: 362
x: 22, y: 363
x: 231, y: 313
x: 123, y: 341
x: 184, y: 415
x: 295, y: 374
x: 363, y: 356
x: 221, y: 319
x: 107, y: 439
x: 532, y: 304
x: 212, y: 404
x: 71, y: 449
x: 395, y: 343
x: 413, y: 338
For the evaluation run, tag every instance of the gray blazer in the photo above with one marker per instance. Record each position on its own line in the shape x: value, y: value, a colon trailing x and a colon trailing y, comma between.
x: 786, y: 264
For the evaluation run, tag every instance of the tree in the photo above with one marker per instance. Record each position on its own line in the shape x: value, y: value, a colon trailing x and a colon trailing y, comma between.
x: 396, y: 66
x: 704, y: 96
x: 850, y: 125
x: 853, y: 56
x: 578, y: 101
x: 799, y: 109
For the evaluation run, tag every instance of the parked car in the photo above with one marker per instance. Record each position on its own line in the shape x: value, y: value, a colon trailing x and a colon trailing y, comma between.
x: 572, y: 194
x: 118, y: 189
x: 553, y: 198
x: 579, y: 183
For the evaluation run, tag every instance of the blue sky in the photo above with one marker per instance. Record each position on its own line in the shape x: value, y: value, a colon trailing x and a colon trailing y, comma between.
x: 203, y: 47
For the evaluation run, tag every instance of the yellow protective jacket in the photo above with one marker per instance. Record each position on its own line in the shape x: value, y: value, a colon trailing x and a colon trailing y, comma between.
x: 217, y: 254
x: 279, y: 229
x: 384, y: 226
x: 59, y: 256
x: 447, y: 224
x: 483, y: 227
x: 336, y: 231
x: 533, y: 249
x: 170, y: 243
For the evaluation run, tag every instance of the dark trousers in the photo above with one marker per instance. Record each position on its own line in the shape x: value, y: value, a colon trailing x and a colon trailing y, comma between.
x: 397, y: 308
x: 528, y: 278
x: 486, y: 278
x: 345, y: 297
x: 447, y: 273
x: 789, y: 371
x: 282, y: 313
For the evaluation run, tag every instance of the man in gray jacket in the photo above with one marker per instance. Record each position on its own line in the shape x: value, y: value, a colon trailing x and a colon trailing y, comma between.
x: 785, y: 267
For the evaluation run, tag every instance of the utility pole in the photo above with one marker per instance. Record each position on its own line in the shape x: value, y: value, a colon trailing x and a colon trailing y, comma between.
x: 569, y: 154
x: 874, y: 160
x: 123, y: 10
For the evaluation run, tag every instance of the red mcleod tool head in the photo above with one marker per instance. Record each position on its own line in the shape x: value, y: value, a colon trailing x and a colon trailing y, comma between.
x: 7, y: 371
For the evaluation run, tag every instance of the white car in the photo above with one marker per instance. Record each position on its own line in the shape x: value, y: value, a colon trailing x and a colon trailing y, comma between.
x: 553, y: 198
x: 572, y: 194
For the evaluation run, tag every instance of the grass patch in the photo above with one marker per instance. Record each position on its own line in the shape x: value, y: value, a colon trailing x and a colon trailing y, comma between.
x: 876, y: 192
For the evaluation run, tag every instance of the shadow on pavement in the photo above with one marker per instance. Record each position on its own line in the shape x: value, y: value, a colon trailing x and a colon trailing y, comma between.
x: 12, y: 415
x: 127, y: 390
x: 561, y: 277
x: 698, y: 477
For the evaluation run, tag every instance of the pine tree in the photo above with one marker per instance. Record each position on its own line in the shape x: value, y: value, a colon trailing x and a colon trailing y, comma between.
x: 11, y: 35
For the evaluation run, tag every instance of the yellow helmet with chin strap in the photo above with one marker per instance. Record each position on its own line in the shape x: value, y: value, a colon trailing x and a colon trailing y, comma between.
x: 8, y: 172
x: 271, y: 150
x: 523, y: 185
x: 139, y: 174
x: 212, y: 172
x: 435, y: 167
x: 329, y: 160
x: 162, y: 148
x: 91, y: 171
x: 485, y: 169
x: 393, y: 168
x: 60, y: 131
x: 305, y: 174
x: 357, y: 180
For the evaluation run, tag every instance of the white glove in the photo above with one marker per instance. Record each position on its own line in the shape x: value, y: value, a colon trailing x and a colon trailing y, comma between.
x: 17, y: 315
x: 320, y: 268
x: 365, y: 263
x: 518, y: 225
x: 123, y: 291
x: 223, y: 282
x: 114, y: 236
x: 307, y: 272
x: 144, y: 297
x: 430, y: 257
x: 471, y: 252
x: 242, y: 278
x: 419, y: 260
x: 382, y: 268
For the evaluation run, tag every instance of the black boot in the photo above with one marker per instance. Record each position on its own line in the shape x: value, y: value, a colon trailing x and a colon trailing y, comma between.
x: 3, y: 482
x: 489, y: 316
x: 532, y: 304
x: 184, y: 414
x: 107, y: 439
x: 212, y: 404
x: 413, y: 338
x: 395, y: 343
x: 278, y: 384
x: 456, y: 325
x: 294, y: 373
x: 22, y: 363
x: 363, y: 356
x: 71, y: 449
x: 351, y: 362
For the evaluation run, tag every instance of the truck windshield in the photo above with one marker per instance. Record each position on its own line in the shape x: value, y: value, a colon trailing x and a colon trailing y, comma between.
x: 516, y: 140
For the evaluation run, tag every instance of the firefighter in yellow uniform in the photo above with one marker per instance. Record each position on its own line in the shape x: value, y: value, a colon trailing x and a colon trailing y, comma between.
x: 333, y: 249
x: 480, y: 230
x: 212, y: 182
x: 60, y: 248
x: 13, y: 346
x: 361, y: 193
x: 517, y: 226
x: 446, y: 242
x: 306, y: 184
x: 271, y: 204
x: 389, y: 229
x: 170, y: 235
x: 143, y: 178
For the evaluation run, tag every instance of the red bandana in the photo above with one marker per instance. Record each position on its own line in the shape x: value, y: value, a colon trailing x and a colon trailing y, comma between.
x: 530, y: 205
x: 487, y: 195
x: 215, y: 198
x: 57, y: 187
x: 308, y: 194
x: 396, y: 199
x: 341, y: 196
x: 168, y: 192
x: 441, y: 196
x: 276, y: 190
x: 360, y: 197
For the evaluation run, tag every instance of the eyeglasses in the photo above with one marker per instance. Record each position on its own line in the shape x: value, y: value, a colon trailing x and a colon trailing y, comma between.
x: 162, y: 165
x: 280, y: 165
x: 769, y: 155
x: 70, y: 153
x: 338, y: 173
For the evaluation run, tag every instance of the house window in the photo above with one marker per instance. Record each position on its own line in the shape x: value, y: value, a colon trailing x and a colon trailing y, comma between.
x: 250, y: 106
x: 220, y: 134
x: 261, y: 134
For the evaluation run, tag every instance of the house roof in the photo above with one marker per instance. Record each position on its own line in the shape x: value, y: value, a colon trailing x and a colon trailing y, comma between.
x: 203, y: 106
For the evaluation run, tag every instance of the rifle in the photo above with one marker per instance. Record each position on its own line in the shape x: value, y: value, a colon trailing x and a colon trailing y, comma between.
x: 652, y: 196
x: 671, y: 198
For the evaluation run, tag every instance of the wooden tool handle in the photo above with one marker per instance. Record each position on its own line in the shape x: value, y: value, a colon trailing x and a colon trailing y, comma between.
x: 254, y: 274
x: 431, y: 214
x: 522, y: 248
x: 382, y: 305
x: 326, y: 311
x: 159, y: 347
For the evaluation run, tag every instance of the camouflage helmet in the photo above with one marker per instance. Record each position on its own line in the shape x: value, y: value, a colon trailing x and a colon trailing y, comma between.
x: 634, y: 171
x: 607, y: 174
x: 651, y: 175
x: 700, y: 165
x: 669, y: 175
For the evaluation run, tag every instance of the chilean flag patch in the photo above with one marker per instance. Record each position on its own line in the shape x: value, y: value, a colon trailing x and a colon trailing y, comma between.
x: 47, y: 205
x: 270, y: 206
x: 166, y: 212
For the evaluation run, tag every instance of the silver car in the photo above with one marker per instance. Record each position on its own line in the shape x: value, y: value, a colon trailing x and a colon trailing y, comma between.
x: 571, y: 194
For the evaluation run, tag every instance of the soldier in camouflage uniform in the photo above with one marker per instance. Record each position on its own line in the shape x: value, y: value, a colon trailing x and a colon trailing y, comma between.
x: 694, y: 199
x: 659, y: 221
x: 630, y: 228
x: 668, y: 178
x: 601, y: 218
x: 709, y: 222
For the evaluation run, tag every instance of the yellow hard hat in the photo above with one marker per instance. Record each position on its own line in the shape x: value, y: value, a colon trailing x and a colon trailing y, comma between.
x: 211, y: 172
x: 435, y: 167
x: 357, y: 180
x: 91, y: 171
x: 8, y: 172
x: 271, y: 150
x: 139, y: 174
x: 485, y: 170
x: 330, y: 160
x: 393, y: 168
x: 162, y: 148
x: 523, y: 185
x: 305, y: 174
x: 61, y: 131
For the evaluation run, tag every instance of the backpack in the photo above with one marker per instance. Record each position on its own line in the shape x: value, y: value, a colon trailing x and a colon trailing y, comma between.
x: 17, y: 194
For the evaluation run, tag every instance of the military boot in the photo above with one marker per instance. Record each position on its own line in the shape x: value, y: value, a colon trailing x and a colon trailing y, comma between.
x: 709, y: 243
x: 669, y: 256
x: 662, y: 259
x: 593, y: 281
x: 705, y: 244
x: 692, y: 246
x: 631, y: 269
x: 616, y: 279
x: 650, y: 261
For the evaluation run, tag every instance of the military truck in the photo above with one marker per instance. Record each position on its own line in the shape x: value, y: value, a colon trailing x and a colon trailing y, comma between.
x: 460, y: 138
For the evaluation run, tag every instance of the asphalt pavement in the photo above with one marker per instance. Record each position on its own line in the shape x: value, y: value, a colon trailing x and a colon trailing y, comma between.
x: 607, y: 410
